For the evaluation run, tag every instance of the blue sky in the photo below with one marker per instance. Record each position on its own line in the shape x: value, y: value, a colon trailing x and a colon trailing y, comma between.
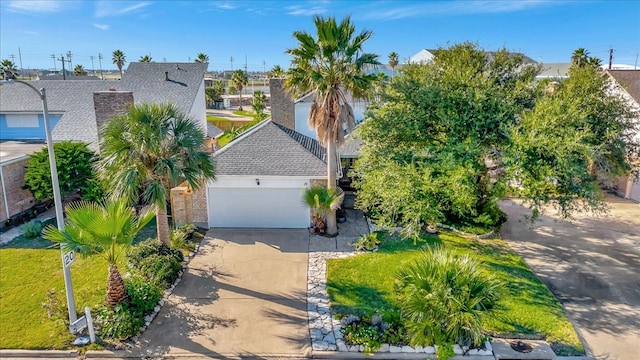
x: 546, y: 31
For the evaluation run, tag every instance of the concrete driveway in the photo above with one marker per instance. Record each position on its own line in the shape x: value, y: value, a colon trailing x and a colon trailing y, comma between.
x: 592, y: 264
x: 243, y: 296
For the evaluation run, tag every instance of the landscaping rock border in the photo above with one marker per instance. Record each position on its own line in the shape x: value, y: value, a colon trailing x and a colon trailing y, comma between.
x: 325, y: 331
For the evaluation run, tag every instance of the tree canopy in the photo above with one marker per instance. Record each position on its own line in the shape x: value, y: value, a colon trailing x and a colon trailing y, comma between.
x: 449, y: 138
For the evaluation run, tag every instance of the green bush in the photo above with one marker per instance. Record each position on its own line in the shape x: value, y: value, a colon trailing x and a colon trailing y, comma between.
x: 156, y: 262
x: 442, y: 298
x: 367, y: 242
x: 120, y: 323
x: 32, y: 229
x: 143, y: 295
x: 180, y: 237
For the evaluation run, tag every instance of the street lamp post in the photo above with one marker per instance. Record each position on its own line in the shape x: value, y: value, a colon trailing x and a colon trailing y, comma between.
x: 57, y: 199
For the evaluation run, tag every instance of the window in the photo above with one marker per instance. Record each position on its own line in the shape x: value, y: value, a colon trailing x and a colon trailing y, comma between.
x: 22, y: 120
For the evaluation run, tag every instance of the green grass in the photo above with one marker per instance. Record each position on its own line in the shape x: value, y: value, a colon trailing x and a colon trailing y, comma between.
x: 364, y: 284
x: 250, y: 114
x: 29, y: 268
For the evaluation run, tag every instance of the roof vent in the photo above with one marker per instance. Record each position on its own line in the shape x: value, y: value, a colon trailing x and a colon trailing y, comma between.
x: 166, y: 75
x: 112, y: 89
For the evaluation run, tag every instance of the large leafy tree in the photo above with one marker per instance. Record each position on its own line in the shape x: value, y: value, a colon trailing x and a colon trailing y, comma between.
x: 107, y: 230
x: 239, y: 80
x: 449, y: 137
x: 74, y: 161
x: 393, y: 62
x: 8, y: 69
x: 331, y: 65
x: 149, y: 150
x: 119, y: 59
x: 202, y: 58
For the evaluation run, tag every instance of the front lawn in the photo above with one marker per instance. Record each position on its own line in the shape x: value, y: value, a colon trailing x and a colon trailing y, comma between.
x: 363, y: 284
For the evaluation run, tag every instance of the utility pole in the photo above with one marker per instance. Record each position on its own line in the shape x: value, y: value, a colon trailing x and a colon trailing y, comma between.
x: 69, y: 55
x: 264, y: 73
x: 20, y: 57
x: 93, y: 68
x: 64, y: 72
x: 55, y: 68
x: 610, y: 57
x: 100, y: 60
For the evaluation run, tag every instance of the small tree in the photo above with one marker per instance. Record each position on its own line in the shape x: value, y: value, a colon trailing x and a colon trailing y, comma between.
x: 8, y: 69
x: 79, y: 70
x: 214, y: 93
x: 74, y: 161
x: 393, y: 62
x: 259, y: 103
x: 119, y: 59
x: 145, y: 58
x: 322, y: 200
x: 202, y: 58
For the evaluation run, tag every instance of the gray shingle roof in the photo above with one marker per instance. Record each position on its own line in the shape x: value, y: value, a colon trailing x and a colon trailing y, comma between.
x: 629, y: 80
x: 213, y: 131
x: 351, y: 147
x: 271, y: 150
x: 74, y: 99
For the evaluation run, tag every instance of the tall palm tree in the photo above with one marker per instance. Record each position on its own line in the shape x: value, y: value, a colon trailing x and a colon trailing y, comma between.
x: 594, y: 61
x: 276, y: 72
x: 106, y: 230
x: 79, y: 70
x: 393, y: 62
x: 202, y: 58
x: 8, y: 69
x: 119, y: 59
x: 239, y: 80
x: 580, y: 57
x: 331, y: 65
x: 149, y: 150
x: 145, y: 58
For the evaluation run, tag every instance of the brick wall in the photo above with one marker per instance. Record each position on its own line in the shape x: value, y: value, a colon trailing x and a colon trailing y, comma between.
x: 199, y: 203
x: 17, y: 198
x: 282, y: 104
x: 108, y: 104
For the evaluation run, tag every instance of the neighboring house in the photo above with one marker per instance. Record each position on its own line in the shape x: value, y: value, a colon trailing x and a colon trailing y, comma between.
x: 260, y: 177
x: 627, y: 84
x: 71, y: 102
x: 554, y: 71
x: 14, y: 158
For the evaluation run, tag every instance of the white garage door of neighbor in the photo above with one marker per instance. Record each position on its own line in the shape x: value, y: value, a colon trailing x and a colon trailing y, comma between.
x: 258, y: 208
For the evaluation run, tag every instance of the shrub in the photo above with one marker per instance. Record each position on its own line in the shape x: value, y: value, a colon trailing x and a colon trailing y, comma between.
x: 32, y: 229
x: 120, y: 322
x: 443, y: 296
x: 156, y: 262
x: 367, y: 242
x: 180, y: 237
x: 371, y: 331
x: 143, y: 295
x: 55, y: 306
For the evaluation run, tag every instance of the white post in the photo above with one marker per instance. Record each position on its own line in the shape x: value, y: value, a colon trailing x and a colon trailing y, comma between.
x: 92, y: 333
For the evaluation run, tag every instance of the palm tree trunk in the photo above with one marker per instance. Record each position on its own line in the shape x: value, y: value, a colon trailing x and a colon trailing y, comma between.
x: 116, y: 291
x: 332, y: 225
x: 162, y: 225
x: 240, y: 93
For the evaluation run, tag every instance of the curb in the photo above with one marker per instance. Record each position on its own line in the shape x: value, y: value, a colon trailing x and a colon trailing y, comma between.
x: 16, y: 353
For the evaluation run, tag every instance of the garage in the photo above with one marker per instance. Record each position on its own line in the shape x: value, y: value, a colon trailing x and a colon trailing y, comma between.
x: 258, y: 207
x: 260, y: 177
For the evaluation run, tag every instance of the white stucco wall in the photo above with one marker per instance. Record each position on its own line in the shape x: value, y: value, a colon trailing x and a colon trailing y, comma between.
x: 302, y: 116
x: 199, y: 108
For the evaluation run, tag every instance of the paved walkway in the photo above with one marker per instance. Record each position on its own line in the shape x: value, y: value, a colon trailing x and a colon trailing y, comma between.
x: 243, y: 296
x: 592, y: 264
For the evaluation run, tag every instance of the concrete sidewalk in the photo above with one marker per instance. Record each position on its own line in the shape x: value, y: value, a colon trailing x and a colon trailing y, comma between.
x: 243, y: 296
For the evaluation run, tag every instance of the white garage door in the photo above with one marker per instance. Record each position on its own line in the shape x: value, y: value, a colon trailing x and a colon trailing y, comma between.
x: 257, y: 208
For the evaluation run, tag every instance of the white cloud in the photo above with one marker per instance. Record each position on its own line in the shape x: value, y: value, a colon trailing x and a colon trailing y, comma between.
x: 35, y: 6
x: 225, y: 5
x: 101, y: 26
x: 454, y: 8
x: 117, y: 8
x: 298, y: 10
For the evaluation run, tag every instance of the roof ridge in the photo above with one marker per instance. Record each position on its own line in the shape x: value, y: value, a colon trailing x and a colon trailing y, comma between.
x: 310, y: 144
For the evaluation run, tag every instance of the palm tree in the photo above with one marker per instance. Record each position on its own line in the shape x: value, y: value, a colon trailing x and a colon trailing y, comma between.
x: 149, y: 150
x: 79, y: 70
x: 322, y: 201
x: 8, y: 69
x: 580, y: 57
x: 145, y: 58
x: 202, y: 58
x: 239, y: 80
x: 393, y: 62
x: 107, y: 230
x: 259, y: 103
x: 594, y: 61
x: 276, y: 72
x: 331, y: 66
x: 119, y: 59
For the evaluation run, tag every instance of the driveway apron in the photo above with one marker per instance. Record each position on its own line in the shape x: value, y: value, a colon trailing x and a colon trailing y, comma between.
x: 243, y: 295
x: 592, y: 264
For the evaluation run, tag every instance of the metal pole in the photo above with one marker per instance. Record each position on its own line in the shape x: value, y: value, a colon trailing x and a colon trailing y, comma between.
x: 57, y: 200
